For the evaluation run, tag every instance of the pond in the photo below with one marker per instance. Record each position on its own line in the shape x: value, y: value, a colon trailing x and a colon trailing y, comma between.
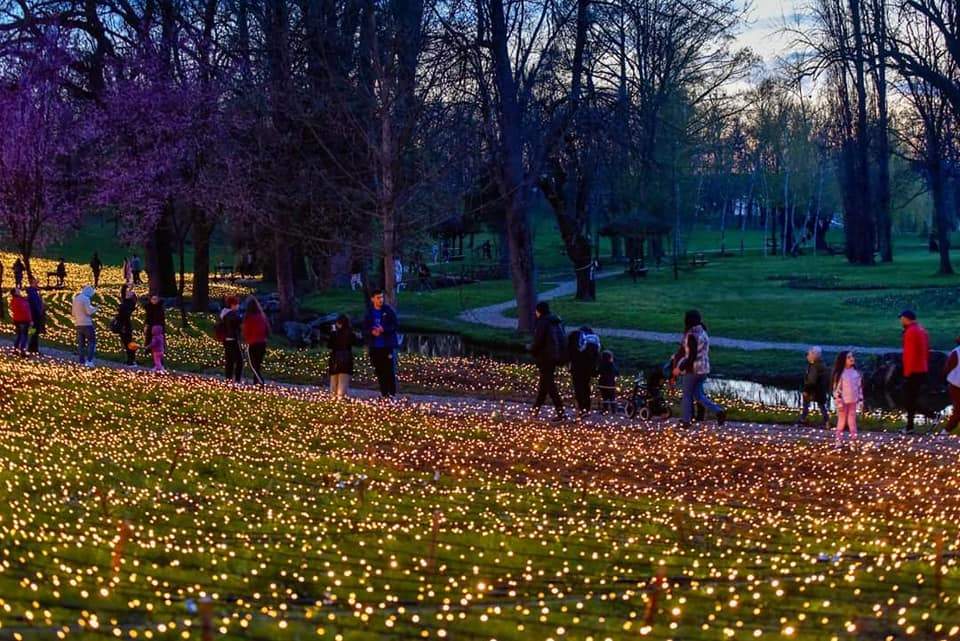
x: 766, y: 393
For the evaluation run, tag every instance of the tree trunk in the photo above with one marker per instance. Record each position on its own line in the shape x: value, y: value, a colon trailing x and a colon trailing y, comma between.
x: 202, y: 231
x: 941, y: 214
x: 866, y: 237
x: 884, y: 219
x: 182, y: 283
x: 286, y: 288
x: 513, y: 185
x: 159, y: 260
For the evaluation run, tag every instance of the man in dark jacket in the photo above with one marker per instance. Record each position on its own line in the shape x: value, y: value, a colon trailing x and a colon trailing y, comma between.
x: 18, y: 270
x: 583, y: 347
x: 96, y: 266
x: 230, y: 318
x: 815, y: 385
x: 547, y: 350
x: 380, y: 331
x: 38, y: 313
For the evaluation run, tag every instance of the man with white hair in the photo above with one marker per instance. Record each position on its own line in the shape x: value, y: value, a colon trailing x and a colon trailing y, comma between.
x: 815, y: 385
x: 82, y: 312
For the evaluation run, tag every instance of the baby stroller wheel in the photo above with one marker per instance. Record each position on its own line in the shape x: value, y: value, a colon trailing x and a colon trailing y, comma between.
x: 644, y: 414
x: 666, y: 413
x: 630, y: 408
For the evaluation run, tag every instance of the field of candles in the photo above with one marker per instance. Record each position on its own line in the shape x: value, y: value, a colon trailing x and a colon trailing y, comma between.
x: 139, y: 506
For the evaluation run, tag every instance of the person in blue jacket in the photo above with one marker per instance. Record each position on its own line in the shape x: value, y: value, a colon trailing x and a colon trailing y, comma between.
x: 380, y: 328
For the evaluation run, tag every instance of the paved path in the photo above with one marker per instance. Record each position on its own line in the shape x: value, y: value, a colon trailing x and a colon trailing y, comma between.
x: 456, y: 405
x: 493, y: 316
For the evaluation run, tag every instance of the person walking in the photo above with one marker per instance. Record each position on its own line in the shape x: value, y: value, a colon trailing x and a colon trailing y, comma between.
x: 96, y: 266
x: 20, y: 314
x: 694, y: 366
x: 135, y: 268
x: 127, y: 272
x: 18, y: 270
x: 847, y: 393
x: 256, y: 330
x: 38, y: 315
x: 815, y: 384
x: 229, y: 330
x: 549, y: 339
x: 341, y: 343
x: 583, y: 347
x: 380, y: 327
x: 61, y: 273
x: 916, y: 364
x: 951, y: 371
x: 157, y: 347
x: 83, y: 311
x: 154, y: 314
x: 124, y: 322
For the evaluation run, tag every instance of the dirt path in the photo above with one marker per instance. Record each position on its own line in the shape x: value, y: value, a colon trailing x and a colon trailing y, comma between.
x: 494, y: 316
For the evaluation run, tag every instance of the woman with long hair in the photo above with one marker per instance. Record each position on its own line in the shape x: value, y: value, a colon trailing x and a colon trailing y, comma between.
x: 256, y: 331
x: 341, y: 343
x: 694, y: 365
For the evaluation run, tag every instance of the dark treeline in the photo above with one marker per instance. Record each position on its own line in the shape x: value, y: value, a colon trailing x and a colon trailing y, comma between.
x: 330, y: 133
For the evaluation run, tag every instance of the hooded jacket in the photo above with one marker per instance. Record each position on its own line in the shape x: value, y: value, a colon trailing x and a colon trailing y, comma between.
x: 83, y: 310
x: 548, y: 340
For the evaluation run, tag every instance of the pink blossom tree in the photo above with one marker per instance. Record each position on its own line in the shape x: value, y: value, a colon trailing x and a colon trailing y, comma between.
x: 38, y: 158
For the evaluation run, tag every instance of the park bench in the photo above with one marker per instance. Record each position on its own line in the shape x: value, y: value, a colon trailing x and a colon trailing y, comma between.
x: 698, y: 260
x: 56, y: 277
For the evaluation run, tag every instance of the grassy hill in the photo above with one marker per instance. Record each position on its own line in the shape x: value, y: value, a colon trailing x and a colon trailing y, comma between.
x: 130, y: 499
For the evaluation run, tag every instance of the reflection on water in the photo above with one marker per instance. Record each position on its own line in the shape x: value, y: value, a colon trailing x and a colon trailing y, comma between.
x: 767, y: 395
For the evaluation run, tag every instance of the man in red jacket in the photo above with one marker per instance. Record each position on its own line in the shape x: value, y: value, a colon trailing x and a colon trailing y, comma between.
x: 916, y: 353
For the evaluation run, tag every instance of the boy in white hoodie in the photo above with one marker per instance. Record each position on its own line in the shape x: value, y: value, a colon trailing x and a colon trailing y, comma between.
x: 83, y: 310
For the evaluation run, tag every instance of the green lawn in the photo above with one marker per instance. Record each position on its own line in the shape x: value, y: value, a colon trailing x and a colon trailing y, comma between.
x: 811, y: 299
x: 130, y: 498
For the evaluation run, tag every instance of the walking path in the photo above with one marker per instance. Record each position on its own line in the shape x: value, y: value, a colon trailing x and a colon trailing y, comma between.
x: 493, y: 316
x: 454, y: 405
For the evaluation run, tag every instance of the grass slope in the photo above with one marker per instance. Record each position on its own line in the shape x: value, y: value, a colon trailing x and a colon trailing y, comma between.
x: 130, y: 498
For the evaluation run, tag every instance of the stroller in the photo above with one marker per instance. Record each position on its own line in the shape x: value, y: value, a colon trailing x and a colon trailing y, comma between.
x: 647, y: 400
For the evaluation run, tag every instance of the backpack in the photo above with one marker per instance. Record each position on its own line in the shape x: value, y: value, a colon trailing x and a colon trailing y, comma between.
x: 220, y: 330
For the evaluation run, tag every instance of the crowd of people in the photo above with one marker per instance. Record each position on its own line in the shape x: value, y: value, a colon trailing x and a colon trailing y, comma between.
x: 245, y: 334
x: 552, y: 348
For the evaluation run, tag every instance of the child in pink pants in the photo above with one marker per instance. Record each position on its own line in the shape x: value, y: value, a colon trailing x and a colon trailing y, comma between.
x: 157, y: 346
x: 847, y: 393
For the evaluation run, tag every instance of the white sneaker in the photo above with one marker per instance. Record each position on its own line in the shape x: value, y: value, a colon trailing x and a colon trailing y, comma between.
x: 89, y: 363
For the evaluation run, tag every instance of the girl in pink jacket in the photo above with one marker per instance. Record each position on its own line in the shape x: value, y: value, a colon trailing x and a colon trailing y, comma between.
x: 847, y: 393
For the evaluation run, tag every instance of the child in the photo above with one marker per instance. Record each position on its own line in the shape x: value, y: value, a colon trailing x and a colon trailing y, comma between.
x: 20, y: 311
x: 608, y: 382
x: 815, y: 386
x: 157, y: 347
x: 847, y: 392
